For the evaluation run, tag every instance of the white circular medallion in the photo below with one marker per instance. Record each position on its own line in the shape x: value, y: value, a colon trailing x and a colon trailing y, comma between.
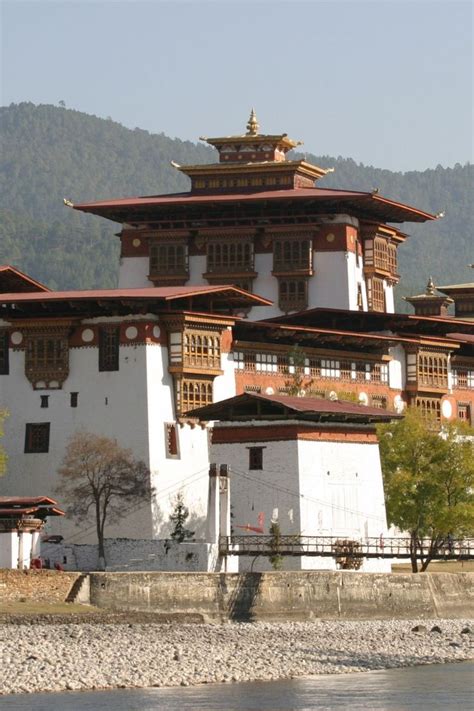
x: 330, y: 237
x: 269, y: 391
x: 446, y: 409
x: 17, y: 338
x: 156, y: 331
x: 136, y: 242
x: 131, y: 332
x: 363, y: 399
x: 87, y: 335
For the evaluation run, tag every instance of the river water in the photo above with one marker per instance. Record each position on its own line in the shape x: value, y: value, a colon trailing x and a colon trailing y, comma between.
x: 439, y: 687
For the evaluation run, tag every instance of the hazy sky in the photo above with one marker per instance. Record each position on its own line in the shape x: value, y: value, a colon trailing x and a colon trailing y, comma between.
x: 388, y: 83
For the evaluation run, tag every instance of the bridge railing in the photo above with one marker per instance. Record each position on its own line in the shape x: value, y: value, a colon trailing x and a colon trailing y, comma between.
x: 296, y: 545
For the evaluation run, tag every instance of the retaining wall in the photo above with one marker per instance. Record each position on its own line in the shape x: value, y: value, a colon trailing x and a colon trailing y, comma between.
x: 287, y: 596
x: 35, y: 585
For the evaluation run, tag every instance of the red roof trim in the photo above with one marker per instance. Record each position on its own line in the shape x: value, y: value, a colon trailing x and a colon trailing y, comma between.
x: 295, y: 193
x: 8, y: 268
x: 165, y: 293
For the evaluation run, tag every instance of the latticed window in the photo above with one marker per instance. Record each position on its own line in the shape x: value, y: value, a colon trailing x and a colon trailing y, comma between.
x: 379, y: 401
x: 4, y: 353
x: 46, y: 353
x: 463, y: 378
x: 330, y: 368
x: 392, y: 259
x: 464, y: 412
x: 293, y: 294
x: 227, y: 257
x: 202, y: 350
x: 381, y: 259
x: 109, y: 344
x: 376, y: 294
x: 432, y: 369
x: 37, y: 437
x: 168, y: 258
x: 171, y: 440
x: 292, y: 255
x: 193, y: 393
x: 430, y: 408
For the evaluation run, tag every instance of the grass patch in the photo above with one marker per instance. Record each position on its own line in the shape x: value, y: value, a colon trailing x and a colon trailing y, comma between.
x: 439, y: 566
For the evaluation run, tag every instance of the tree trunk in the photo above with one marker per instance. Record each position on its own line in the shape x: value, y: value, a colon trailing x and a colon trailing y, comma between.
x: 413, y: 556
x: 100, y: 536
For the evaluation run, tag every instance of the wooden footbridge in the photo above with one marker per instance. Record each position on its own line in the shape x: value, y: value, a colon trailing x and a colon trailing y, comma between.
x: 335, y: 547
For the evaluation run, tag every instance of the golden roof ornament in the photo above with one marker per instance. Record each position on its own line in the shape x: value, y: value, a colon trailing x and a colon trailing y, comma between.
x: 252, y: 124
x: 430, y: 287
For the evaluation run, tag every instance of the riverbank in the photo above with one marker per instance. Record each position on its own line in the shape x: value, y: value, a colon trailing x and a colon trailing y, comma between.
x: 54, y: 657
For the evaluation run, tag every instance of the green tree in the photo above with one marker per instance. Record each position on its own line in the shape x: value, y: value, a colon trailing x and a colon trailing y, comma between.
x: 178, y: 518
x: 429, y: 482
x: 276, y: 559
x: 100, y: 476
x: 298, y: 381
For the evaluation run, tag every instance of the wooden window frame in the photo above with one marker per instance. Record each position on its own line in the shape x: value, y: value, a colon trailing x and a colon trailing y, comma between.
x: 201, y: 349
x: 37, y: 436
x: 376, y: 295
x: 293, y: 254
x: 432, y: 369
x: 4, y: 353
x: 169, y: 259
x: 292, y: 294
x: 230, y: 256
x: 255, y: 458
x: 430, y: 408
x: 109, y: 349
x: 192, y: 393
x: 172, y: 440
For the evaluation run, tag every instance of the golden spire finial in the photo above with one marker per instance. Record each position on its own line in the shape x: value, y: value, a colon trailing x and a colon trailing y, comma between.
x: 252, y: 124
x: 430, y: 287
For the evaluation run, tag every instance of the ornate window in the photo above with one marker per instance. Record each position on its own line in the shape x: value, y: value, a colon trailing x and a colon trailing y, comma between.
x: 37, y: 437
x: 293, y: 294
x: 464, y: 412
x: 379, y: 401
x: 291, y: 254
x: 463, y: 378
x: 4, y: 353
x: 381, y: 254
x: 47, y: 359
x: 169, y: 261
x: 202, y: 350
x: 392, y: 259
x: 256, y: 457
x: 376, y: 294
x: 432, y: 369
x: 109, y: 345
x: 227, y: 257
x: 430, y: 408
x: 192, y: 393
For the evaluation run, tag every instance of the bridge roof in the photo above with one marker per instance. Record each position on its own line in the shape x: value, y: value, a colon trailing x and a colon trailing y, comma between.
x: 253, y: 406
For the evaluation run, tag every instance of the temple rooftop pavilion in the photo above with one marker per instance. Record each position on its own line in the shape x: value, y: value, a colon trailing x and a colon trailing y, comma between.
x: 252, y: 175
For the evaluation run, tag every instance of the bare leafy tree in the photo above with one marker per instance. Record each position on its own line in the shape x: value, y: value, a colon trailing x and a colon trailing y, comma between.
x: 100, y: 476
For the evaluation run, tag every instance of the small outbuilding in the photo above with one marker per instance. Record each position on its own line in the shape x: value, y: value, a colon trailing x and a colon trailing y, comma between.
x: 311, y: 464
x: 22, y: 519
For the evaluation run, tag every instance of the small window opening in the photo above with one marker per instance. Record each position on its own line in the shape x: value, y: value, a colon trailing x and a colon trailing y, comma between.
x: 256, y: 457
x: 44, y: 400
x: 74, y: 399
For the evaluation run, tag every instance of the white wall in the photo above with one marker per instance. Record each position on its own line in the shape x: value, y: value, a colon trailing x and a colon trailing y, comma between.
x: 397, y: 368
x: 124, y: 554
x: 17, y: 548
x: 294, y: 484
x: 113, y: 404
x: 133, y: 272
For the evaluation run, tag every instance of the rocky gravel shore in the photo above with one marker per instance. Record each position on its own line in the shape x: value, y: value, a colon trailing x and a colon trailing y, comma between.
x: 54, y: 657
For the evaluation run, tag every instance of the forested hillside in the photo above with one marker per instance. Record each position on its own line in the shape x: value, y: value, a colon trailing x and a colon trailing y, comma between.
x: 50, y: 152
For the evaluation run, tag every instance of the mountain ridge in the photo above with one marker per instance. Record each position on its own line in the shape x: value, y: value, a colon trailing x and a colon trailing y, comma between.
x: 50, y: 152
